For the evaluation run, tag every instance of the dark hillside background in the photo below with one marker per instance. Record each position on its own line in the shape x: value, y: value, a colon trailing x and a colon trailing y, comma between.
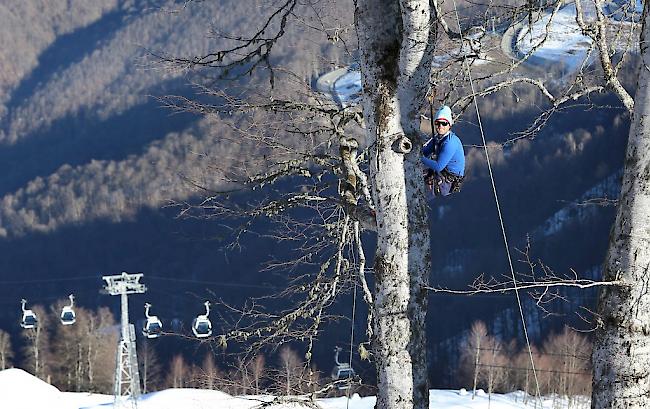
x: 88, y: 161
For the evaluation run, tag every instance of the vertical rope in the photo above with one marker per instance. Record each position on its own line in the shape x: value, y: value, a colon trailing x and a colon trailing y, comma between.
x: 496, y: 199
x: 354, y: 311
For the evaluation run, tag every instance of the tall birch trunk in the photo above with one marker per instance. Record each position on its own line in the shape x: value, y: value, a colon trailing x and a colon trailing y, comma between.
x: 621, y: 355
x: 396, y: 41
x: 476, y: 363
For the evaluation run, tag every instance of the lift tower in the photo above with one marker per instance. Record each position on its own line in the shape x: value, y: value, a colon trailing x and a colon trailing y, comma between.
x: 127, y: 378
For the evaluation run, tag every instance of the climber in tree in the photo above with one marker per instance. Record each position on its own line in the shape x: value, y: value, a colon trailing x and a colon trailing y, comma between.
x: 443, y: 157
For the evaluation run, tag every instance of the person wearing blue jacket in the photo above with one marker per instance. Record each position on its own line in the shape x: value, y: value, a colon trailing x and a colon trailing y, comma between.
x: 443, y: 156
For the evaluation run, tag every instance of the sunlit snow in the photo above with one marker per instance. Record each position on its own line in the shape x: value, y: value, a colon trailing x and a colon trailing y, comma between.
x: 562, y: 40
x: 21, y: 390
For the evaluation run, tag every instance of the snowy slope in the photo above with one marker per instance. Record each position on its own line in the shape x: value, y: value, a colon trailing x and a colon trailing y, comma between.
x: 20, y: 390
x: 559, y: 40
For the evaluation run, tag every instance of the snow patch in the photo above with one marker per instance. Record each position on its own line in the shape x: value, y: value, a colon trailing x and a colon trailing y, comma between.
x: 20, y: 389
x: 561, y: 41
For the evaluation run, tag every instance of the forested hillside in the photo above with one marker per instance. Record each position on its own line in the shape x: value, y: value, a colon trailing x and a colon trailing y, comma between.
x: 90, y: 159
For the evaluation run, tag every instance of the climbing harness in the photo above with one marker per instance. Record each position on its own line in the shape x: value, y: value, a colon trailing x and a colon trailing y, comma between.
x: 496, y: 199
x: 435, y: 180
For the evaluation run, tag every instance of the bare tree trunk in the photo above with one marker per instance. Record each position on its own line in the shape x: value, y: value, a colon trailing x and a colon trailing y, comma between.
x: 287, y: 373
x: 491, y: 375
x: 476, y: 364
x: 37, y: 361
x: 144, y: 373
x: 90, y: 337
x: 257, y: 371
x: 395, y: 40
x: 620, y: 356
x: 5, y: 349
x: 527, y: 380
x: 245, y: 379
x: 79, y: 369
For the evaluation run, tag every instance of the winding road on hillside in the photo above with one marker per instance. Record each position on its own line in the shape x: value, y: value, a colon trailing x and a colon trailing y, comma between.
x: 546, y: 43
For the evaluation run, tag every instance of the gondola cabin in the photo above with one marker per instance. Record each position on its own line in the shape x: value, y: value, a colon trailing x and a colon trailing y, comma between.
x: 343, y: 371
x: 68, y: 317
x: 201, y: 325
x: 153, y: 327
x: 28, y: 319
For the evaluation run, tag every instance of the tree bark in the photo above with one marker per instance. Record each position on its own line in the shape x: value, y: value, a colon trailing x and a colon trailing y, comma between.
x: 395, y: 42
x: 476, y: 363
x: 621, y: 355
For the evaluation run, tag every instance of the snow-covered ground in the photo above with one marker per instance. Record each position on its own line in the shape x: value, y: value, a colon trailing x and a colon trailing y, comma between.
x: 561, y: 40
x: 343, y: 85
x: 347, y: 88
x: 20, y: 390
x: 624, y: 10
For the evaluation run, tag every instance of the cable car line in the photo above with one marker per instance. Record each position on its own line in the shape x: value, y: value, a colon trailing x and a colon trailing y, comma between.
x: 49, y: 280
x: 219, y: 283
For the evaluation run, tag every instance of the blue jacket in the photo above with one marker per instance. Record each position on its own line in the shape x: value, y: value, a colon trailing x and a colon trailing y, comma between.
x: 448, y: 152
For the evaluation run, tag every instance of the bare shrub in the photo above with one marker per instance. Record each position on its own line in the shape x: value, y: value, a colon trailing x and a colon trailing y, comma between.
x: 6, y: 351
x: 562, y: 366
x: 470, y: 365
x: 178, y: 373
x: 569, y: 352
x: 150, y: 368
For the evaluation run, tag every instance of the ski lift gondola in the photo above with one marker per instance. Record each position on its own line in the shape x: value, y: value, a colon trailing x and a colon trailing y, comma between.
x: 68, y: 317
x: 153, y: 327
x: 201, y: 325
x: 29, y: 319
x: 342, y: 371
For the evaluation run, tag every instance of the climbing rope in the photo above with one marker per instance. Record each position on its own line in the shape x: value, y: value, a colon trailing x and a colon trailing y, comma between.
x: 496, y: 199
x: 354, y: 310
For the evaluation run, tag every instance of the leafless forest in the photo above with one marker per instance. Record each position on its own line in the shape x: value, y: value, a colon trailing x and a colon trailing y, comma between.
x: 93, y: 167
